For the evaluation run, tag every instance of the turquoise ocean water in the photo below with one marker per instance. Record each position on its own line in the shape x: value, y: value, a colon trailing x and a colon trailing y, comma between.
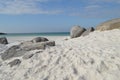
x: 36, y: 34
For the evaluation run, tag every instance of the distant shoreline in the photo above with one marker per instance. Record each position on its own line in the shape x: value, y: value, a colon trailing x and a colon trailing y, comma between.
x: 37, y: 34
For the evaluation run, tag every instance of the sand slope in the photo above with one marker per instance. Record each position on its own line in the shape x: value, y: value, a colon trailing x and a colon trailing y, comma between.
x: 93, y: 57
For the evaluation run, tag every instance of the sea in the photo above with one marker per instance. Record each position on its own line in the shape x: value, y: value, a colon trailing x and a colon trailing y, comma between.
x: 36, y: 34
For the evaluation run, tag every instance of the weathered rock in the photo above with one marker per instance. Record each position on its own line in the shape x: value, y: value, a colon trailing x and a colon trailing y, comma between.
x: 2, y: 47
x: 3, y: 40
x: 91, y: 29
x: 32, y: 46
x: 14, y: 51
x: 109, y: 25
x: 14, y: 62
x: 50, y: 43
x: 76, y: 31
x: 39, y: 39
x: 27, y: 56
x: 21, y: 49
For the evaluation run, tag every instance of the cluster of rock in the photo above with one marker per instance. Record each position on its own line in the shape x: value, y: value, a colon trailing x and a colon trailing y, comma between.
x: 23, y: 48
x: 78, y: 31
x: 41, y: 42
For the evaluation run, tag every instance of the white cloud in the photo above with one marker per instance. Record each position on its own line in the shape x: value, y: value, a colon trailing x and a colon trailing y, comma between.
x: 24, y: 7
x: 115, y: 1
x: 96, y: 11
x: 92, y: 7
x: 103, y: 1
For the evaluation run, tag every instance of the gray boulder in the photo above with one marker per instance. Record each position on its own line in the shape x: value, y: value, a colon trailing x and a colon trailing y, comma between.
x: 3, y: 40
x: 14, y: 51
x: 76, y: 31
x: 32, y: 46
x: 91, y: 29
x: 23, y: 48
x: 28, y: 45
x: 39, y: 39
x: 50, y: 43
x: 20, y: 50
x: 109, y: 25
x: 14, y: 62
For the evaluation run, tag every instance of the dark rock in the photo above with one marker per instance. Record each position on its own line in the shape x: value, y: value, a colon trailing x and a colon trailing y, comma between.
x: 109, y: 25
x: 39, y: 39
x: 27, y: 56
x: 75, y: 71
x: 2, y: 33
x: 14, y: 62
x: 66, y: 39
x: 76, y: 31
x: 50, y: 43
x: 91, y: 29
x: 13, y: 51
x: 39, y: 51
x: 3, y: 40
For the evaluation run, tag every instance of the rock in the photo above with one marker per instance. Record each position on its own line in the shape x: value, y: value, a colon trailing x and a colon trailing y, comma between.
x: 32, y: 46
x: 39, y: 39
x: 21, y: 49
x: 109, y: 25
x: 2, y: 33
x: 27, y: 56
x: 50, y: 43
x: 2, y: 47
x: 14, y: 51
x: 3, y: 40
x: 91, y: 29
x: 66, y: 39
x: 76, y: 31
x: 14, y: 62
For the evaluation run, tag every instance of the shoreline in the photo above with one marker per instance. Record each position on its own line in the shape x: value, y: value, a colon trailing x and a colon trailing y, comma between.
x: 27, y: 38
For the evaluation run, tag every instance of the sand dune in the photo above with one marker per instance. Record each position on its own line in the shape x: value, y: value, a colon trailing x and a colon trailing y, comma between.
x: 93, y: 57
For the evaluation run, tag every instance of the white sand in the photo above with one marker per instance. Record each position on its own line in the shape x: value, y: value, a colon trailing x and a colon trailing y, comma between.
x: 93, y: 57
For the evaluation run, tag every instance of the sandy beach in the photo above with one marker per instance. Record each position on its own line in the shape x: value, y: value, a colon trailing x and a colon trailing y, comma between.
x: 93, y: 57
x: 26, y: 38
x: 59, y: 40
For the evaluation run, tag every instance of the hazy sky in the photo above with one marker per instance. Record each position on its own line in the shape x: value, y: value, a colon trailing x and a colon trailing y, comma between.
x: 54, y: 15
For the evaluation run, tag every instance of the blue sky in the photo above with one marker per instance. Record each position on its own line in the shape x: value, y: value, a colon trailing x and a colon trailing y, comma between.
x: 17, y: 16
